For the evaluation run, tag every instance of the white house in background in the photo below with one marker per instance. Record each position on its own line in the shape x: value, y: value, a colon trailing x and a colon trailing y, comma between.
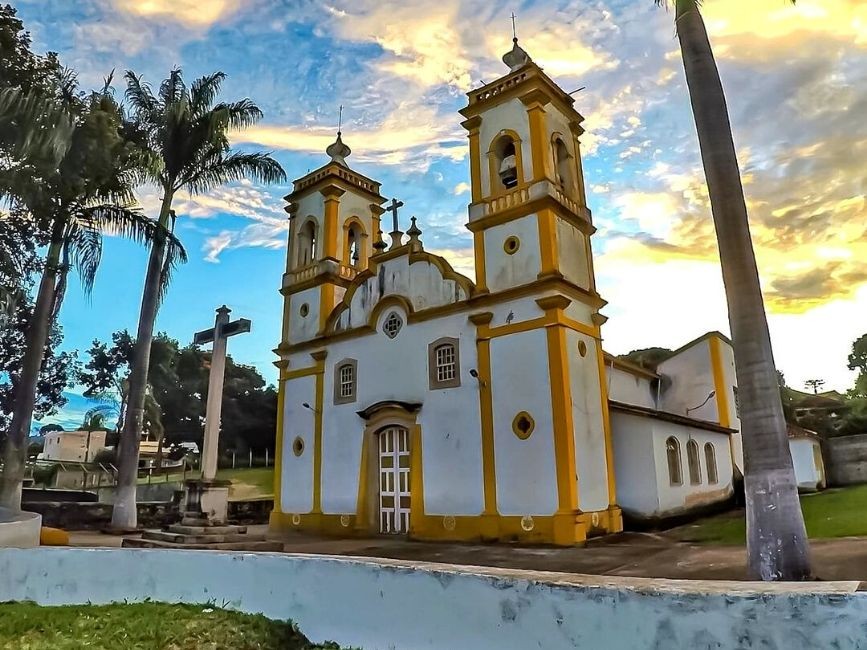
x: 416, y: 401
x: 806, y: 453
x: 72, y: 446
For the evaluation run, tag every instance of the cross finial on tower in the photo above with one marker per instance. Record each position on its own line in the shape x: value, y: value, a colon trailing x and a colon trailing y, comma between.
x: 392, y: 207
x: 514, y: 29
x: 339, y: 119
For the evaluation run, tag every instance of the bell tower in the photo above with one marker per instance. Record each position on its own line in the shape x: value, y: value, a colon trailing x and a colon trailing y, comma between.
x: 529, y: 212
x: 334, y: 223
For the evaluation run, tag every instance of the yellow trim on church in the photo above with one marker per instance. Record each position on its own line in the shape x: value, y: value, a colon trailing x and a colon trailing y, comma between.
x: 719, y: 381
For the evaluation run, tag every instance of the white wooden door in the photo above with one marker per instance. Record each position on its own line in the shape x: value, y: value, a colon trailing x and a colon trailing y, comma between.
x: 394, y: 480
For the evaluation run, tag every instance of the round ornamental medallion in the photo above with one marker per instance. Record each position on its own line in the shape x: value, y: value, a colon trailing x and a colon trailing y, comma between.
x: 344, y: 521
x: 582, y: 348
x: 511, y: 245
x: 305, y: 309
x: 527, y: 523
x: 298, y: 446
x: 523, y: 425
x: 296, y: 520
x: 449, y: 522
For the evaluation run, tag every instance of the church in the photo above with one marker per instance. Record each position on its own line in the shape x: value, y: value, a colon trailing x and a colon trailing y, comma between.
x: 416, y: 401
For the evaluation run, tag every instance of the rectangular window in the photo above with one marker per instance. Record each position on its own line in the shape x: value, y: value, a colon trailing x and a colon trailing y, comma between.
x: 347, y: 381
x: 445, y: 362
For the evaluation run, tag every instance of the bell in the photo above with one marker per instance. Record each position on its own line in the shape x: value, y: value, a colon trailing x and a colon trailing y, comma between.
x: 509, y: 172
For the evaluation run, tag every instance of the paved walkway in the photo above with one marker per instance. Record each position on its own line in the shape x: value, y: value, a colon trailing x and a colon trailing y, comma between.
x: 629, y: 554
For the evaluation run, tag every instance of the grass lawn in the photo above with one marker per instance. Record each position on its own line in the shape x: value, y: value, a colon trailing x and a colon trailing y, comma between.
x: 840, y: 512
x: 247, y: 483
x: 143, y: 626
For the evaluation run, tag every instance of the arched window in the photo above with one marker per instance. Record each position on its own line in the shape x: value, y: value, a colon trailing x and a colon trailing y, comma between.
x: 506, y: 159
x: 672, y: 453
x: 444, y: 363
x: 345, y: 381
x: 307, y: 243
x: 710, y: 461
x: 353, y: 245
x: 564, y: 166
x: 693, y: 462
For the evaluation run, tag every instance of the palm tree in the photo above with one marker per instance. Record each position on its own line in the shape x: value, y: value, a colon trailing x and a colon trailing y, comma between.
x: 75, y: 197
x: 777, y: 546
x: 187, y: 137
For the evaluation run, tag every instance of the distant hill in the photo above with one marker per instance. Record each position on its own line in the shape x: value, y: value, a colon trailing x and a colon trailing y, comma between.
x: 70, y: 416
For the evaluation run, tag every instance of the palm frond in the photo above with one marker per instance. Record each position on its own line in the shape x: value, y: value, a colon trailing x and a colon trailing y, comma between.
x: 204, y: 91
x: 175, y: 255
x: 85, y: 250
x: 44, y: 127
x: 173, y: 89
x: 219, y: 169
x: 240, y: 115
x: 139, y: 95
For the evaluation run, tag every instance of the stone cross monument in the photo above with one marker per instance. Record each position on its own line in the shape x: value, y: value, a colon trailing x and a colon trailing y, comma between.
x: 217, y: 335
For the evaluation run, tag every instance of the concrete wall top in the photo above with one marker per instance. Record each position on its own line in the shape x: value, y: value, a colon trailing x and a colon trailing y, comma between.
x: 379, y: 604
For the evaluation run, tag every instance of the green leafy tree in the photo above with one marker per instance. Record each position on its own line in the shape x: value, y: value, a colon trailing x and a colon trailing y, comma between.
x: 187, y: 137
x: 74, y: 199
x: 777, y: 546
x: 648, y: 357
x: 858, y: 361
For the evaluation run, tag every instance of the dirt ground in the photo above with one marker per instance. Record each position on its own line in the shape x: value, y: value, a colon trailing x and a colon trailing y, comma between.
x: 651, y: 555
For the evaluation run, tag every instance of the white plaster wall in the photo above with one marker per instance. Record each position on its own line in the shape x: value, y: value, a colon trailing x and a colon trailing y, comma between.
x: 629, y: 388
x: 674, y: 499
x: 312, y: 205
x: 511, y: 114
x: 504, y: 271
x: 572, y: 245
x: 807, y: 474
x: 304, y: 328
x: 388, y: 604
x: 634, y: 467
x: 526, y: 472
x: 522, y: 309
x: 580, y: 311
x: 691, y: 373
x: 296, y: 487
x: 589, y: 429
x: 77, y: 446
x: 397, y: 369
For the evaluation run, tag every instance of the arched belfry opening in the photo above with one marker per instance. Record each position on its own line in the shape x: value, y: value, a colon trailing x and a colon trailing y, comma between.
x: 564, y: 166
x: 307, y: 243
x: 507, y: 162
x: 353, y: 242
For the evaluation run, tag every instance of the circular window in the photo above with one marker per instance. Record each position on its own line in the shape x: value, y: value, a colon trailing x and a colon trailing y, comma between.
x: 298, y: 446
x: 511, y: 245
x: 305, y: 309
x: 392, y: 325
x: 523, y: 425
x: 582, y: 348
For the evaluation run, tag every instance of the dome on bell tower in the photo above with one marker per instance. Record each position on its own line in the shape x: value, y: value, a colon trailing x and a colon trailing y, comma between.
x: 517, y: 57
x: 338, y: 151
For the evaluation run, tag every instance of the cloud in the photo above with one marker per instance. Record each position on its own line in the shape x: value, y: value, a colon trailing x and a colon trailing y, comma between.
x: 215, y: 245
x: 195, y: 13
x: 412, y: 134
x: 461, y: 188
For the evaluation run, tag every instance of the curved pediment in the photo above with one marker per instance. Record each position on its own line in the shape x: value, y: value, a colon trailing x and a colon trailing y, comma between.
x: 415, y: 281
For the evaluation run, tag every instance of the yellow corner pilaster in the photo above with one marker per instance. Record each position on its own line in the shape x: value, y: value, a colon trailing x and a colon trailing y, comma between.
x: 548, y: 242
x: 486, y: 410
x: 479, y: 252
x: 319, y: 357
x: 278, y: 442
x: 326, y: 304
x: 719, y: 381
x: 535, y: 102
x: 475, y: 158
x: 332, y: 204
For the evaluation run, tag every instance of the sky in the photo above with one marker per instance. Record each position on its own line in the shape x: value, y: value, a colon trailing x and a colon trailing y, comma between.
x: 796, y: 82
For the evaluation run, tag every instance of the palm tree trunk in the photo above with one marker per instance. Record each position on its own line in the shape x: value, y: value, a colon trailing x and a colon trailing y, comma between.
x: 25, y: 393
x: 777, y: 546
x: 124, y: 514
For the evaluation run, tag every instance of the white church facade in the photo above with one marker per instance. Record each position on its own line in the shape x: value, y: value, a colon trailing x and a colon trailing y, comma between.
x: 416, y: 401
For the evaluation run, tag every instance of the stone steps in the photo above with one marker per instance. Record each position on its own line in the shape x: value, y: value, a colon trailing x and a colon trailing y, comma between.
x: 261, y: 545
x: 183, y: 529
x: 187, y: 538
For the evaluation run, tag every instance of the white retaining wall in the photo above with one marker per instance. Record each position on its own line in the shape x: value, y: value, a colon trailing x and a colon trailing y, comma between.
x: 385, y: 604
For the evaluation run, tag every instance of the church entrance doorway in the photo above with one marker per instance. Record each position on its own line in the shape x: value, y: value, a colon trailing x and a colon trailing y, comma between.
x: 394, y: 492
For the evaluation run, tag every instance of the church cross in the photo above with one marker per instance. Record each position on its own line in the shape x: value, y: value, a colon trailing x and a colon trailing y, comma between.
x: 514, y: 30
x: 395, y: 204
x: 339, y: 119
